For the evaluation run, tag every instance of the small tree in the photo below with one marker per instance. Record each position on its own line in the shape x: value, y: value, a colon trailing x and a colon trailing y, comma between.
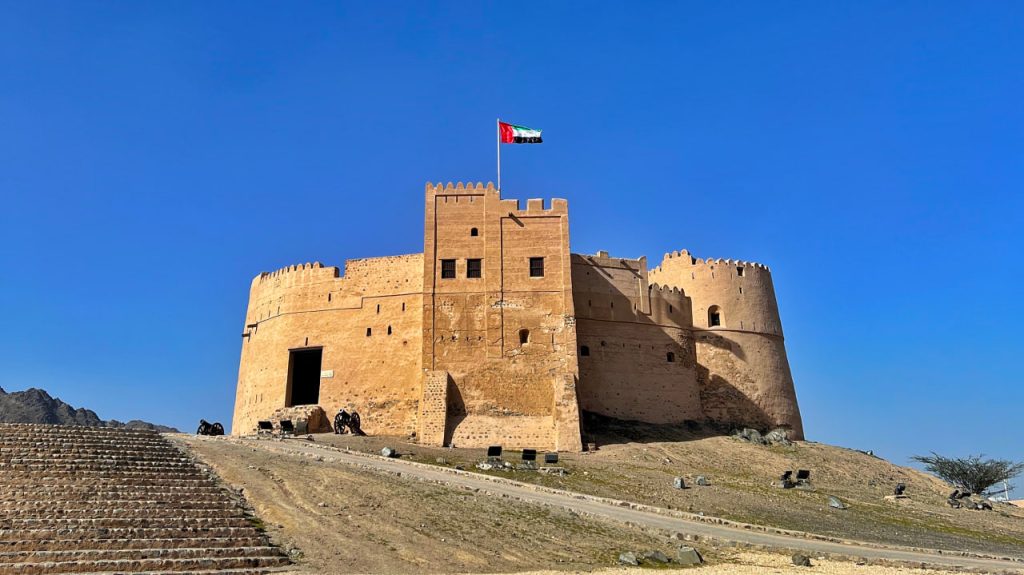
x: 970, y: 473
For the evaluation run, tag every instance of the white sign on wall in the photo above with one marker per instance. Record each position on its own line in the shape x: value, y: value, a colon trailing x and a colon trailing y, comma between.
x: 327, y: 373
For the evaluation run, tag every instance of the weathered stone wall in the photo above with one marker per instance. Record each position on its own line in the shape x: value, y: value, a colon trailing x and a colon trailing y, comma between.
x: 369, y: 324
x: 433, y: 408
x: 640, y: 360
x: 742, y: 365
x: 505, y: 338
x: 510, y: 358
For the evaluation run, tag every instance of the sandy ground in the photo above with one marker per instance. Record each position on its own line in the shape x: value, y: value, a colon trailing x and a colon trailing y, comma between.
x: 340, y: 518
x: 741, y: 477
x: 750, y: 563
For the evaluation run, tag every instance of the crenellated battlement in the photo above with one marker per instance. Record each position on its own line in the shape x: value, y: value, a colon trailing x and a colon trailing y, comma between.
x: 460, y: 188
x: 300, y: 268
x: 534, y: 206
x: 666, y: 290
x: 684, y: 257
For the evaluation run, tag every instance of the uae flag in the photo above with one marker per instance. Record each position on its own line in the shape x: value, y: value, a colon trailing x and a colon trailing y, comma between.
x: 512, y: 134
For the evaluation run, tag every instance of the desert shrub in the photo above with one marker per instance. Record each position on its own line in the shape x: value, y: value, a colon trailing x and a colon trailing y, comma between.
x: 971, y: 473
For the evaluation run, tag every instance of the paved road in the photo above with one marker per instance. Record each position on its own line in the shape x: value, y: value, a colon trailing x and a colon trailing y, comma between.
x: 576, y: 502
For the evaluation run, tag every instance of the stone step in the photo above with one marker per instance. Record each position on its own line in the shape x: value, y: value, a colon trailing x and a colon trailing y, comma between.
x: 83, y: 465
x: 59, y: 444
x: 106, y: 512
x: 143, y: 565
x: 30, y: 545
x: 18, y: 505
x: 109, y: 522
x: 10, y: 429
x: 75, y: 449
x: 59, y: 492
x: 126, y: 533
x: 42, y: 440
x: 264, y: 571
x: 94, y: 474
x: 142, y: 553
x: 103, y: 501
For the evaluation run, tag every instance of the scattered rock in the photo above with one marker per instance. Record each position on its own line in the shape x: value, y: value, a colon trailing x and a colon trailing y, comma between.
x: 655, y: 556
x: 702, y: 481
x: 322, y: 504
x: 801, y: 560
x: 750, y: 435
x: 678, y: 483
x: 778, y: 436
x: 836, y: 503
x: 441, y: 461
x: 688, y: 556
x: 628, y: 558
x: 388, y: 452
x: 484, y: 466
x: 312, y: 416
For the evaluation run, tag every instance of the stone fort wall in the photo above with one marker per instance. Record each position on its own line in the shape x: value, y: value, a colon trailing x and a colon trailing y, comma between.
x: 743, y: 370
x: 503, y: 336
x: 637, y: 357
x: 504, y: 356
x: 368, y: 323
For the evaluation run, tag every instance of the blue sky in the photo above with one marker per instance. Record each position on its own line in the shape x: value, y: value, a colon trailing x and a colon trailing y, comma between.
x: 157, y: 156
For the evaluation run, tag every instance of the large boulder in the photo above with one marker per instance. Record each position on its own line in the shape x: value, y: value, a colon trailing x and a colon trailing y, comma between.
x: 311, y: 416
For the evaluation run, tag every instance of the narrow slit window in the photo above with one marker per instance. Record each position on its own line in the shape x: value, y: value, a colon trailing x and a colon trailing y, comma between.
x: 524, y: 336
x: 474, y: 268
x: 369, y: 331
x: 670, y: 357
x: 389, y: 330
x: 536, y: 267
x: 447, y: 269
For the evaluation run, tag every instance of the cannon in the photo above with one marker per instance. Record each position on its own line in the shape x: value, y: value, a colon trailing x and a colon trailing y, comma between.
x: 348, y: 423
x: 207, y: 428
x: 341, y: 422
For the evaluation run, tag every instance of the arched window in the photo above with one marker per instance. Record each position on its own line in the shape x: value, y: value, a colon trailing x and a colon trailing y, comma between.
x: 389, y: 330
x: 670, y: 357
x: 584, y: 351
x: 524, y: 336
x: 474, y: 232
x: 715, y: 316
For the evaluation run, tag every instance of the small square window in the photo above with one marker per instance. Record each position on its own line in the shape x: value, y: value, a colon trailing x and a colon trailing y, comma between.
x: 447, y: 269
x: 739, y: 271
x: 536, y: 267
x: 474, y: 268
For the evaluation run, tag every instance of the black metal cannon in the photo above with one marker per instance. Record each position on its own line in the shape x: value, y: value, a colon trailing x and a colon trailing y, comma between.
x: 207, y: 428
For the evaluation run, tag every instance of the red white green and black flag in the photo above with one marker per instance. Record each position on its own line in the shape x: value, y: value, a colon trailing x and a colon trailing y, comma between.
x: 512, y: 134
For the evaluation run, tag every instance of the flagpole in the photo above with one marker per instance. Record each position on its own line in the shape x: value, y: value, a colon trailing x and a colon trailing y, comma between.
x: 498, y: 126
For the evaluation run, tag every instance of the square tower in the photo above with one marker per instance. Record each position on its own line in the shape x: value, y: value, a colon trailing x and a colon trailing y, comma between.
x: 497, y: 321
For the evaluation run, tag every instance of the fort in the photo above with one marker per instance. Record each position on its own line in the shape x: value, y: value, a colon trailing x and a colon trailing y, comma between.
x: 497, y: 334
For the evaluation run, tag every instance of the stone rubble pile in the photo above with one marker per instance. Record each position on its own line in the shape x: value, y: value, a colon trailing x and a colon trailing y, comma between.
x: 96, y: 500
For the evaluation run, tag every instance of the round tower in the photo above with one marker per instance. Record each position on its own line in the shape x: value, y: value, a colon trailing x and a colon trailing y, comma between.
x: 743, y: 370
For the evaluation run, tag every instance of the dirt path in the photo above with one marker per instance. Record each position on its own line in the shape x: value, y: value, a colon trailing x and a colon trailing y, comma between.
x: 637, y: 515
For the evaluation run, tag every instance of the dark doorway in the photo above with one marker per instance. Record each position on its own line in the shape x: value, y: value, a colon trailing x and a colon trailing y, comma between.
x: 304, y: 376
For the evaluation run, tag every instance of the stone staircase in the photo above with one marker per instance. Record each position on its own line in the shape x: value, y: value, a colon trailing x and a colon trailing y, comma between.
x: 95, y: 500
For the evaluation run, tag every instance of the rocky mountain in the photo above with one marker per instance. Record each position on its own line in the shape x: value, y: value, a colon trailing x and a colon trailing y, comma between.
x: 36, y: 406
